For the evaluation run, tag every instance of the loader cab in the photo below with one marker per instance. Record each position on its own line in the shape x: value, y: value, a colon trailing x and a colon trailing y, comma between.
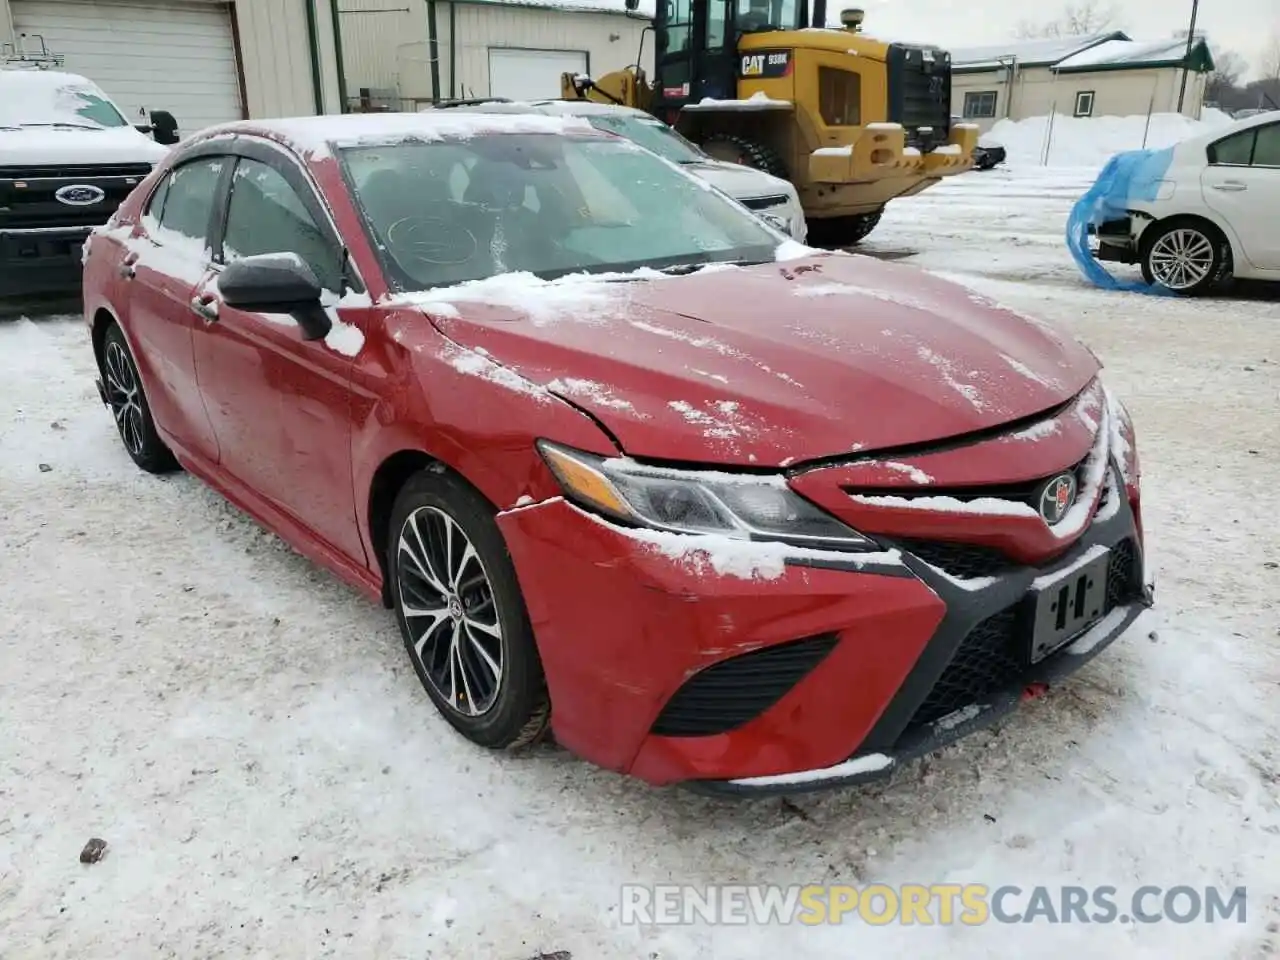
x: 696, y: 53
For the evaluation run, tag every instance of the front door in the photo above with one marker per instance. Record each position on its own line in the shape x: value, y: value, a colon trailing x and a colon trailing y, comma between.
x: 696, y: 55
x: 1242, y: 185
x: 281, y: 405
x: 166, y: 261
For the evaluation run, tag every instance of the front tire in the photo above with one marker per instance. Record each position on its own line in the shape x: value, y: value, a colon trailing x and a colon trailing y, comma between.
x: 843, y: 231
x: 1184, y: 255
x: 127, y: 402
x: 461, y: 614
x: 745, y: 152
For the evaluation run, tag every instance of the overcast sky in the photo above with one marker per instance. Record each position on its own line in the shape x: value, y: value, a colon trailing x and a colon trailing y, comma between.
x: 1240, y: 25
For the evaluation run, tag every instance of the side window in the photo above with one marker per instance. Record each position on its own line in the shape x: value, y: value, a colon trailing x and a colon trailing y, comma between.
x: 178, y: 215
x: 839, y: 97
x: 679, y: 21
x: 155, y: 205
x: 1236, y: 150
x: 265, y: 215
x: 1266, y: 153
x: 717, y: 16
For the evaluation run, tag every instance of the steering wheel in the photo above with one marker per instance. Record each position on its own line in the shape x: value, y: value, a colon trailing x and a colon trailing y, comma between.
x: 431, y: 240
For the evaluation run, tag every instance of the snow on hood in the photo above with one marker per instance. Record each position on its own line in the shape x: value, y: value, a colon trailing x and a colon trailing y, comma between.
x: 746, y: 366
x: 739, y: 181
x: 60, y: 145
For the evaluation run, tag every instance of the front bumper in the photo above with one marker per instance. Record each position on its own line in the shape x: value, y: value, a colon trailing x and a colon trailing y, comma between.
x: 626, y: 632
x: 37, y: 261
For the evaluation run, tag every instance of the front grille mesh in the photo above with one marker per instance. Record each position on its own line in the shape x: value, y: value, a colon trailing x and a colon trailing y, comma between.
x: 966, y: 561
x: 725, y: 695
x: 992, y: 656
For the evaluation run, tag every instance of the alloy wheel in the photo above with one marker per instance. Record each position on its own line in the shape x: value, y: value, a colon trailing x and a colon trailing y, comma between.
x: 1182, y: 258
x: 448, y: 606
x: 123, y: 397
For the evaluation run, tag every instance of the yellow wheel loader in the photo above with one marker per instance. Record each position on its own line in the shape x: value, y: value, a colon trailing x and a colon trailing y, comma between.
x: 852, y: 121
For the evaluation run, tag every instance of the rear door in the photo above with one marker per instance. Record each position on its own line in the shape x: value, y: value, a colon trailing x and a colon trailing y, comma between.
x: 168, y: 258
x: 280, y: 405
x: 1242, y: 185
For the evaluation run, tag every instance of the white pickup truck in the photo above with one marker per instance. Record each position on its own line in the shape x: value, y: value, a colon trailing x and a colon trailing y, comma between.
x: 68, y: 157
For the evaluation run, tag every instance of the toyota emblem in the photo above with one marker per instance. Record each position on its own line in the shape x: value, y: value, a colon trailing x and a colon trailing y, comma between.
x: 79, y: 195
x: 1057, y: 498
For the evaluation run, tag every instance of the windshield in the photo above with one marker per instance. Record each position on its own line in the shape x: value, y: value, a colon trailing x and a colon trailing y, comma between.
x: 649, y: 133
x: 449, y: 211
x: 30, y: 99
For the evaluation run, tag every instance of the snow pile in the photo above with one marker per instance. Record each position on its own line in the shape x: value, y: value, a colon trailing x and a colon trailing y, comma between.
x: 1092, y: 141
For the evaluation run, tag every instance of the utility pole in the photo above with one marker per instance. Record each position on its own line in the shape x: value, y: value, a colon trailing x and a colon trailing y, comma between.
x: 1186, y: 62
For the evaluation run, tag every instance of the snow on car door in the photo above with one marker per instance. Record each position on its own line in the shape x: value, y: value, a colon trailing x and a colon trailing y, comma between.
x: 281, y: 405
x: 165, y: 262
x: 1242, y: 185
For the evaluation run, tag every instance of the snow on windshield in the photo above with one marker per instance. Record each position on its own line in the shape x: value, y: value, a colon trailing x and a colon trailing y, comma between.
x: 36, y: 98
x: 451, y: 211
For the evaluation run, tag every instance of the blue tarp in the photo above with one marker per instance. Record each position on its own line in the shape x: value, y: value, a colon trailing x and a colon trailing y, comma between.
x: 1131, y: 176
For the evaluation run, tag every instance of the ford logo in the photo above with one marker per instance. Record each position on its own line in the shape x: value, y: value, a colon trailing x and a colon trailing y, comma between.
x: 79, y: 194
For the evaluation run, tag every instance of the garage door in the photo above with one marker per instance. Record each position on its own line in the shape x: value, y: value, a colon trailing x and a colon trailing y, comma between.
x: 178, y: 57
x: 531, y: 74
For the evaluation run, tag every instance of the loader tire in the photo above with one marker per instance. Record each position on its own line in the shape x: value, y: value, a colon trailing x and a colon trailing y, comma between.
x: 748, y: 153
x: 842, y: 231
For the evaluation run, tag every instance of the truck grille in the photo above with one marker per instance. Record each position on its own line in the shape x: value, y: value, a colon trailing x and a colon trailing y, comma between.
x: 920, y: 93
x: 28, y: 194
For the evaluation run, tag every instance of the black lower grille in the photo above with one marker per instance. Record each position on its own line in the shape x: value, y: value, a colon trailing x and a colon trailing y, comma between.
x: 987, y: 660
x: 727, y: 694
x: 992, y: 656
x: 966, y: 561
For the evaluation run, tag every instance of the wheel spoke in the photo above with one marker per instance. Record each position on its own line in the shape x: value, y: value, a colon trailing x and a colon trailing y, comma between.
x: 449, y: 614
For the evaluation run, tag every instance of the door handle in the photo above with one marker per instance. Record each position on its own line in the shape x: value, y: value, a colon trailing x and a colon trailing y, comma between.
x: 126, y: 268
x: 1231, y: 186
x: 205, y: 307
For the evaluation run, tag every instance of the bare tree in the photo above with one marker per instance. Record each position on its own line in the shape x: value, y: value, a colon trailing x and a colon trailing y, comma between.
x: 1270, y: 62
x: 1077, y: 19
x: 1228, y: 68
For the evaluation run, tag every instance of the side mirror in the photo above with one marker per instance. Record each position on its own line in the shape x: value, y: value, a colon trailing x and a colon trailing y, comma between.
x: 276, y: 283
x: 631, y: 5
x: 164, y: 128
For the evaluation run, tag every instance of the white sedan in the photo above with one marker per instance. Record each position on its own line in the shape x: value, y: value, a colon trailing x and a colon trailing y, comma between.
x: 1214, y: 213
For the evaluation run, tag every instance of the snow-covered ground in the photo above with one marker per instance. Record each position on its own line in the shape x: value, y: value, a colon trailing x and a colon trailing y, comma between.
x: 248, y: 737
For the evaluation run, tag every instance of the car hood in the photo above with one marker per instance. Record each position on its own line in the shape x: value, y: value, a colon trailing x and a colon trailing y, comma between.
x: 38, y: 146
x: 738, y: 181
x: 771, y: 364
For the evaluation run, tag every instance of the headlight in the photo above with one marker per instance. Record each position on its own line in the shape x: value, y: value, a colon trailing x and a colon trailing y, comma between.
x: 689, y: 501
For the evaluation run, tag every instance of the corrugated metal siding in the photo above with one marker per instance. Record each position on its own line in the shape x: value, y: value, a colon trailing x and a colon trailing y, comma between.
x: 275, y: 52
x: 391, y: 50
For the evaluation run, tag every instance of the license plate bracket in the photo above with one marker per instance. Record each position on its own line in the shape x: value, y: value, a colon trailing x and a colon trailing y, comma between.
x: 1067, y: 606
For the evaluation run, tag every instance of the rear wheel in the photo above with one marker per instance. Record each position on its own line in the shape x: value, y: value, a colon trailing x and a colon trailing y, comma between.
x: 1187, y: 256
x: 843, y: 231
x: 746, y: 152
x: 129, y: 408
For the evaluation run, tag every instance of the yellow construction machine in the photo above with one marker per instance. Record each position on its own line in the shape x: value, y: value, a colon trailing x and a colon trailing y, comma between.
x: 852, y: 121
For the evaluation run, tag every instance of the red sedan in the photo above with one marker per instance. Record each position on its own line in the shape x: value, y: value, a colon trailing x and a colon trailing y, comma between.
x: 625, y: 461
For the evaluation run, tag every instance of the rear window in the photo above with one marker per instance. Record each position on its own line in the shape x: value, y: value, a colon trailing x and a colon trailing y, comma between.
x: 1236, y: 150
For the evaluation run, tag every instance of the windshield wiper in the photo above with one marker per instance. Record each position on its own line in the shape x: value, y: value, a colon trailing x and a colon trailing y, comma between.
x: 64, y: 123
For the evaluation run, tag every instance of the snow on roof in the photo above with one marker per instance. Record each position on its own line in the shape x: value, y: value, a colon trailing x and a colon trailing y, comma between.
x: 314, y: 135
x: 1124, y: 53
x: 1028, y: 52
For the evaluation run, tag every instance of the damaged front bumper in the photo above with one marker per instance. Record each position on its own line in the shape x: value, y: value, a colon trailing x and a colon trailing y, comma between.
x: 825, y: 673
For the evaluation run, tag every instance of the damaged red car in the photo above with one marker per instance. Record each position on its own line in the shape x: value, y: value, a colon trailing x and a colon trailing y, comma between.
x: 627, y: 463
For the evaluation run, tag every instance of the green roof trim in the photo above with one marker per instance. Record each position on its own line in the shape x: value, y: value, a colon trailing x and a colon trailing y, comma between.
x: 1199, y: 61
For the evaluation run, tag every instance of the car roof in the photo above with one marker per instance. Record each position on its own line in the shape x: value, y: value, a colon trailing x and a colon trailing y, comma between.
x: 565, y: 108
x: 314, y: 136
